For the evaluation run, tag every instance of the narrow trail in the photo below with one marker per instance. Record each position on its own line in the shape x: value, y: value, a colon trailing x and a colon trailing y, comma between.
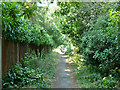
x: 64, y: 76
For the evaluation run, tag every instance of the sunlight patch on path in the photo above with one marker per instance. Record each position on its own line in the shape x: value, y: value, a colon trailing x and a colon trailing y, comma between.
x: 58, y: 51
x: 64, y: 76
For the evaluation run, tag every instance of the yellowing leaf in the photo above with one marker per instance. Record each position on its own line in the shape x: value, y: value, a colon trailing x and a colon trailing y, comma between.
x: 27, y: 7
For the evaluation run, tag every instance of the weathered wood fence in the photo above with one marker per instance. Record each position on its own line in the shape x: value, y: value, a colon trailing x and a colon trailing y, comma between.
x: 13, y: 52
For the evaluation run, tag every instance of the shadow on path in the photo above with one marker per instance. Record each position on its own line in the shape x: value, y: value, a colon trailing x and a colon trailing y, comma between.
x: 64, y: 76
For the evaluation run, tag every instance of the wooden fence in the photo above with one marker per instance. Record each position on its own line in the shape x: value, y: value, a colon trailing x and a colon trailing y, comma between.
x: 13, y: 52
x: 0, y: 66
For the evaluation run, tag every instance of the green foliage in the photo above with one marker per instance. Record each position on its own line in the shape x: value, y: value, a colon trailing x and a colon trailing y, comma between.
x: 98, y: 40
x: 45, y: 63
x: 18, y: 77
x: 28, y: 9
x: 78, y: 17
x: 17, y: 28
x: 11, y: 19
x: 42, y: 63
x: 56, y: 36
x: 36, y: 71
x: 100, y: 48
x: 93, y: 27
x: 69, y: 49
x: 88, y: 78
x: 108, y: 82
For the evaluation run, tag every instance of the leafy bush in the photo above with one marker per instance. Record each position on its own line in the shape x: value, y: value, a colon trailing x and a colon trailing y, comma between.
x: 18, y: 77
x: 56, y: 36
x: 36, y: 71
x: 108, y: 82
x: 42, y: 63
x: 45, y: 62
x: 69, y: 50
x: 100, y: 48
x: 77, y: 17
x: 17, y: 28
x: 88, y: 78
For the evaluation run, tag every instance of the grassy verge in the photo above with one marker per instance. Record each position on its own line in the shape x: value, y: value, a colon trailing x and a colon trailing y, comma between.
x: 88, y: 77
x: 37, y: 71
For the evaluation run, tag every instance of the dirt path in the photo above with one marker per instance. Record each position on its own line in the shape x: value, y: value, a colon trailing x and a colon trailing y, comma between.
x: 64, y: 76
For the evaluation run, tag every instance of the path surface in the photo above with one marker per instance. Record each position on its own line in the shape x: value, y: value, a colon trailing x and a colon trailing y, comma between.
x: 64, y: 76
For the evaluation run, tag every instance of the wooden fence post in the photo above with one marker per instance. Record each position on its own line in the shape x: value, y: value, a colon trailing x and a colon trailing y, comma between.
x: 0, y: 45
x: 0, y: 64
x: 17, y: 52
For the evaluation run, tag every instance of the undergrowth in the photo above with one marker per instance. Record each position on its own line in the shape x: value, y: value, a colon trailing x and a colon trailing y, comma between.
x: 36, y: 71
x: 89, y: 77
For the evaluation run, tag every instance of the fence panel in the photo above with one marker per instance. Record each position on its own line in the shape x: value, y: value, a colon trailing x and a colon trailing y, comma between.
x: 11, y: 52
x: 23, y: 48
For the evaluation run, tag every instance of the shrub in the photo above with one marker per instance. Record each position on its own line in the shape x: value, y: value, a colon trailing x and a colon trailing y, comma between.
x: 45, y: 62
x: 108, y: 82
x: 17, y: 28
x: 18, y: 77
x: 100, y: 48
x: 69, y: 50
x: 36, y: 71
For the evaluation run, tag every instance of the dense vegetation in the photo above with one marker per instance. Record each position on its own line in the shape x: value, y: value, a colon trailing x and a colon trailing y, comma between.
x: 94, y: 29
x: 36, y: 71
x: 18, y: 25
x: 87, y: 76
